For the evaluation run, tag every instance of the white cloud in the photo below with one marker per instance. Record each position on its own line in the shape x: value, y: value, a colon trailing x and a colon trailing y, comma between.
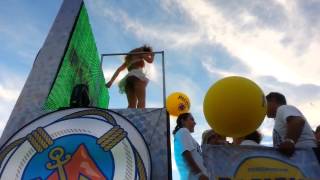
x: 24, y: 42
x: 10, y: 87
x: 262, y: 49
x: 266, y: 127
x: 148, y: 32
x: 5, y: 111
x: 212, y: 69
x: 311, y: 112
x: 8, y: 95
x: 258, y: 48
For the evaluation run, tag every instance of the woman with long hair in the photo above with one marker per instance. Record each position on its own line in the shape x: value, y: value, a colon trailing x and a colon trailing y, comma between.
x: 187, y: 151
x: 135, y: 82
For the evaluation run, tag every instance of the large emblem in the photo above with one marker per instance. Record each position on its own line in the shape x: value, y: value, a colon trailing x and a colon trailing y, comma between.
x: 76, y: 144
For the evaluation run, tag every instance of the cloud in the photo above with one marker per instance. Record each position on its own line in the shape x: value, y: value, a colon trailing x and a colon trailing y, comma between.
x: 266, y: 127
x: 310, y: 10
x: 8, y: 95
x: 213, y: 67
x: 297, y: 94
x: 260, y: 48
x: 5, y: 110
x: 152, y: 31
x: 250, y: 13
x: 10, y: 87
x: 10, y: 84
x: 23, y: 42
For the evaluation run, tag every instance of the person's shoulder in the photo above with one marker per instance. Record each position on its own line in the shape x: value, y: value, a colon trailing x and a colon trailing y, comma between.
x: 182, y: 131
x: 288, y: 108
x: 282, y: 107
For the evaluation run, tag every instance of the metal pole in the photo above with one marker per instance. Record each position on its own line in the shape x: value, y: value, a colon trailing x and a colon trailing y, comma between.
x: 163, y: 68
x: 163, y: 80
x: 117, y: 54
x: 101, y: 60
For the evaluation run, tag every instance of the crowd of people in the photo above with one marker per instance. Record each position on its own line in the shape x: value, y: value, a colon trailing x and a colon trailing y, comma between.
x: 291, y: 130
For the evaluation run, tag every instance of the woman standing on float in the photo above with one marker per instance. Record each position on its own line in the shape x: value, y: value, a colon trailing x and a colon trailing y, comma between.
x: 135, y: 82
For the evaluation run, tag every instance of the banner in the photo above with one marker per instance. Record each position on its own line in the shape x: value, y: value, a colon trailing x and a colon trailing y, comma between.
x: 260, y: 163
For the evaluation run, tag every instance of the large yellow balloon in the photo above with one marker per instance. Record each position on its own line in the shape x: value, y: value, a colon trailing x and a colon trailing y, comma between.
x: 234, y: 106
x: 177, y: 103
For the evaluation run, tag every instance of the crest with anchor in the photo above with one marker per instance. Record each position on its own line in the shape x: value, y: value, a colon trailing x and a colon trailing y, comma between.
x: 80, y: 143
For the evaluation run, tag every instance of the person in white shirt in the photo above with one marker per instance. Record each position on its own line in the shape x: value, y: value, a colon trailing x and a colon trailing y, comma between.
x: 187, y: 151
x: 291, y: 129
x: 252, y: 139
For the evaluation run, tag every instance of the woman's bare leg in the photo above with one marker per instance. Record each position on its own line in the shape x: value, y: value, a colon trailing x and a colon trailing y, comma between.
x: 140, y: 91
x: 130, y: 92
x: 132, y: 99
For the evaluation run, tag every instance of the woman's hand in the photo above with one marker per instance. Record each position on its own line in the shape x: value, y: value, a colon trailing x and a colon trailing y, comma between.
x: 287, y: 148
x: 148, y: 57
x: 109, y: 84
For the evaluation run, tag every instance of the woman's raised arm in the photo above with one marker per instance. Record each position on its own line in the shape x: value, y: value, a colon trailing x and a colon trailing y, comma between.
x: 115, y: 75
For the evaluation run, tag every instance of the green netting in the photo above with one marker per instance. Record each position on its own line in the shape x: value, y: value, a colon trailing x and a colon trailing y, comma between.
x: 81, y: 65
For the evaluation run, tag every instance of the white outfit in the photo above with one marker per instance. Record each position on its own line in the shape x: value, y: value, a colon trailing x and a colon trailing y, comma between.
x: 183, y: 141
x: 134, y: 72
x: 247, y: 142
x: 306, y: 139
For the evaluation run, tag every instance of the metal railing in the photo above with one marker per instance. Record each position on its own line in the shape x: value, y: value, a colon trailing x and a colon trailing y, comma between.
x: 162, y: 62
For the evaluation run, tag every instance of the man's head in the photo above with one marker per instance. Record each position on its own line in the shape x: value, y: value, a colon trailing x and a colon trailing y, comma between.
x: 274, y: 100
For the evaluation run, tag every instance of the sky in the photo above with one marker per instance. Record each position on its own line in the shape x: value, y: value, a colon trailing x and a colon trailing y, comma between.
x: 275, y: 43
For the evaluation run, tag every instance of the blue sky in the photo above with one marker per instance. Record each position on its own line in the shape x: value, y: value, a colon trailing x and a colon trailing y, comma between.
x: 275, y: 43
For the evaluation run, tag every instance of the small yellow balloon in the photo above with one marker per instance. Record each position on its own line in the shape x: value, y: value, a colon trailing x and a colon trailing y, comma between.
x: 177, y: 103
x: 234, y: 106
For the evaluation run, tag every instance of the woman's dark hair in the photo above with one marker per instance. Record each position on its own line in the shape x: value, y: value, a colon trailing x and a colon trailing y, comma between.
x: 144, y: 48
x: 278, y: 97
x: 182, y: 117
x: 255, y: 136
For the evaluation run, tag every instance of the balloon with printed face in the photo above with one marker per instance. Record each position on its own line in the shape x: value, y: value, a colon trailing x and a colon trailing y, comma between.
x: 234, y: 106
x: 177, y: 103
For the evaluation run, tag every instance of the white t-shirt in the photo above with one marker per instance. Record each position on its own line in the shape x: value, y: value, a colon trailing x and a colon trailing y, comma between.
x: 183, y: 141
x: 306, y: 138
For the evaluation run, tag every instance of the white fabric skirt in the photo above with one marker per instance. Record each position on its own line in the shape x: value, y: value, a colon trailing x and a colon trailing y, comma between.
x: 134, y: 72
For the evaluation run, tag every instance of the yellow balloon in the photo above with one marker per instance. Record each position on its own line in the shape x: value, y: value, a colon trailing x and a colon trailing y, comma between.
x: 234, y: 106
x: 177, y: 103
